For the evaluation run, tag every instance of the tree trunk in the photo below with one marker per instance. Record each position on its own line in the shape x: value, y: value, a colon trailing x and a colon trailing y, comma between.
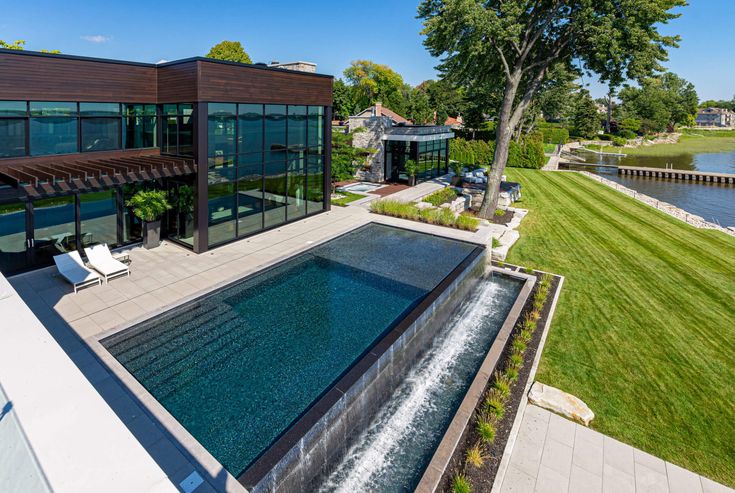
x: 503, y: 136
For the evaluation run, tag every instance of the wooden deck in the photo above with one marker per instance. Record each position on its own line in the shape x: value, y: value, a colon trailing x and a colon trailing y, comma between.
x: 678, y: 174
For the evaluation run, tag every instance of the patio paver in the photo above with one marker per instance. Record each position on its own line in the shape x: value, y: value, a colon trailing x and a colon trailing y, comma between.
x: 553, y: 454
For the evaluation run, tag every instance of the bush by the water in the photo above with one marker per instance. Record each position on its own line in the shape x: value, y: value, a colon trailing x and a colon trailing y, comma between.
x: 627, y: 134
x: 554, y: 135
x: 441, y: 216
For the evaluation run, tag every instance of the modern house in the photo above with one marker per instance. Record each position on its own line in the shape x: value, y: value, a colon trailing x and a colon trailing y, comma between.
x: 395, y: 141
x: 715, y: 117
x: 238, y: 149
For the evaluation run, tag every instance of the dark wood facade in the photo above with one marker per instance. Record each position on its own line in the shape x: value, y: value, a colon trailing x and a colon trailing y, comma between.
x: 44, y: 77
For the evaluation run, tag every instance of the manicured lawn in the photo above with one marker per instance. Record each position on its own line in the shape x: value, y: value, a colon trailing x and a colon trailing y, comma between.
x: 549, y: 148
x: 645, y: 327
x: 348, y: 197
x: 690, y: 143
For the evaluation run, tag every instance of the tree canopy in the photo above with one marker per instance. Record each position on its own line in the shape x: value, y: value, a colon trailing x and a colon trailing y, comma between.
x: 372, y: 82
x: 231, y: 51
x: 660, y: 103
x: 512, y: 44
x: 19, y: 44
x: 586, y: 119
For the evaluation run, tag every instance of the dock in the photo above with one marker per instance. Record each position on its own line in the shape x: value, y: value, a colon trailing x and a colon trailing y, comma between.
x: 678, y: 174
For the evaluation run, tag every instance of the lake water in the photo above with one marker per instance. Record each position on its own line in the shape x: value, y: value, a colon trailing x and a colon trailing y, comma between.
x: 713, y: 201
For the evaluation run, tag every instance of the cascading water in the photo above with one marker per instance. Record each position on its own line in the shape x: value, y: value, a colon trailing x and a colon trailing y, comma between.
x: 392, y: 453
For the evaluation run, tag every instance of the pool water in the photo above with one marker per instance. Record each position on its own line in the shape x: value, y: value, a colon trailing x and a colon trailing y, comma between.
x: 361, y: 187
x: 238, y: 366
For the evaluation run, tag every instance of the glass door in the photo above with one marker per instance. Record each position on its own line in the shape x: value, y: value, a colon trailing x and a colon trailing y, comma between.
x: 180, y: 219
x: 54, y: 228
x: 14, y: 240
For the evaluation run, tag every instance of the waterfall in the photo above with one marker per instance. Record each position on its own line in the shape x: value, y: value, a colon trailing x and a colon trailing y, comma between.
x: 378, y: 450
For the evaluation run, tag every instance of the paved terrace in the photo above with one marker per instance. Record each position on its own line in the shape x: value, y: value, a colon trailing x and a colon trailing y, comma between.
x: 553, y: 454
x: 160, y: 279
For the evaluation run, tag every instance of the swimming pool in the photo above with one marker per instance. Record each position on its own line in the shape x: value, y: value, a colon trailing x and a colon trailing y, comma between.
x: 365, y: 187
x: 237, y: 367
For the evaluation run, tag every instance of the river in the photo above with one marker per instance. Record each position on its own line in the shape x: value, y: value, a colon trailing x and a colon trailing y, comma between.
x: 713, y: 201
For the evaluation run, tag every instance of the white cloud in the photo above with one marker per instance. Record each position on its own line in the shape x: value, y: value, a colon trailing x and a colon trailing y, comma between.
x: 96, y: 38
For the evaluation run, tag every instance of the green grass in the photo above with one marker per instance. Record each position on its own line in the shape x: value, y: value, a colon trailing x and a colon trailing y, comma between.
x: 348, y: 197
x: 691, y: 142
x: 549, y: 148
x: 443, y: 196
x: 645, y: 327
x: 440, y: 216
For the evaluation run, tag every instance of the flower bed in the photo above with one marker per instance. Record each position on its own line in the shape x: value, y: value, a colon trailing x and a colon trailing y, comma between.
x: 476, y: 458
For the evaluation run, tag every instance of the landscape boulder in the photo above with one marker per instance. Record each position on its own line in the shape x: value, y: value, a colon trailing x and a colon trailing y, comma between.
x: 560, y: 402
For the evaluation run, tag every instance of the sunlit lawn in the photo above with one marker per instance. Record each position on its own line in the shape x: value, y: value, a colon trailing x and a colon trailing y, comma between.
x: 645, y: 328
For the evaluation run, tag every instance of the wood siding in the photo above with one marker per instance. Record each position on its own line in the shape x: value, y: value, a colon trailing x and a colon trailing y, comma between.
x: 237, y: 84
x: 43, y: 78
x: 178, y: 83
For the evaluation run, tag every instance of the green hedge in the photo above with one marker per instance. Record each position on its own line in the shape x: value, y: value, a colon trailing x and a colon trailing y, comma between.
x: 529, y: 153
x: 555, y: 135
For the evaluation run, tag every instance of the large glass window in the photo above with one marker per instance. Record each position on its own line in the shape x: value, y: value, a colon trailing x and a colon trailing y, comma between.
x: 316, y: 129
x: 100, y: 134
x: 54, y: 222
x: 48, y: 108
x: 315, y: 181
x: 249, y: 199
x: 250, y: 131
x: 13, y: 108
x: 99, y: 109
x: 12, y: 236
x: 139, y: 130
x: 12, y: 137
x: 178, y: 129
x: 275, y: 132
x: 53, y: 135
x: 98, y: 216
x: 132, y: 225
x: 221, y: 129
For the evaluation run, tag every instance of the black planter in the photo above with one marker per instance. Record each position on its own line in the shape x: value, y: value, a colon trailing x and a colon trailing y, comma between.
x: 411, y: 181
x: 151, y: 234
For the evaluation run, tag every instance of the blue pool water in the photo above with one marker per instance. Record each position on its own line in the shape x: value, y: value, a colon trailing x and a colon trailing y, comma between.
x: 238, y: 366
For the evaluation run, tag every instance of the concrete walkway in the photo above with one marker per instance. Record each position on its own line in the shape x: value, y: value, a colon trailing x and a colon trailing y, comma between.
x: 553, y: 454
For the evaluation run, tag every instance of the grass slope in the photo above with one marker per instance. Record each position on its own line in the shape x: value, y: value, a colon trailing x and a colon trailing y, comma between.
x: 690, y: 143
x: 645, y: 328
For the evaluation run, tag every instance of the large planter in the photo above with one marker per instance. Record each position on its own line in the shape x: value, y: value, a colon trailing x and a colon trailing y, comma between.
x: 411, y: 181
x: 151, y: 234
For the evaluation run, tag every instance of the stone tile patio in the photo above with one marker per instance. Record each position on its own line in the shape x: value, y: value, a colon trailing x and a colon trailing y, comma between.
x: 553, y: 454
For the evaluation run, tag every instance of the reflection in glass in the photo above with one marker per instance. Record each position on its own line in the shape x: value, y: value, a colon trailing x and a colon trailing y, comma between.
x: 139, y: 132
x: 316, y: 129
x: 275, y: 193
x: 53, y: 135
x: 250, y: 128
x: 54, y: 228
x: 98, y: 216
x: 249, y: 199
x: 99, y: 109
x: 13, y: 108
x: 132, y: 226
x: 221, y: 211
x: 12, y: 236
x: 296, y: 185
x: 315, y: 181
x: 275, y: 132
x: 221, y: 126
x: 169, y: 140
x: 12, y: 137
x: 49, y: 108
x: 180, y: 224
x: 100, y: 134
x: 186, y: 135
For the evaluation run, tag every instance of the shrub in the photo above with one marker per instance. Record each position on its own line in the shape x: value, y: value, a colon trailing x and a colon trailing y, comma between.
x: 528, y: 270
x: 502, y: 384
x: 460, y: 484
x: 529, y: 153
x: 528, y: 323
x: 535, y: 315
x: 476, y: 455
x: 496, y: 242
x: 440, y: 197
x: 499, y: 212
x: 149, y: 205
x: 495, y: 405
x: 519, y: 345
x: 441, y: 216
x: 512, y: 374
x: 516, y: 360
x: 467, y: 222
x: 486, y: 429
x: 526, y: 335
x: 538, y: 302
x: 619, y: 141
x: 555, y: 135
x: 605, y: 137
x: 627, y: 134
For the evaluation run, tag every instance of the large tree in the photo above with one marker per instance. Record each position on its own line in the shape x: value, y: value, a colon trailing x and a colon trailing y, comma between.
x: 586, y: 119
x: 444, y: 98
x: 418, y: 108
x: 372, y: 82
x: 231, y: 51
x: 660, y: 103
x: 513, y: 43
x: 342, y: 100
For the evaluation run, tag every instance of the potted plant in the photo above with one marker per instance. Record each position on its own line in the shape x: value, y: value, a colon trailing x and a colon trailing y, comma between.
x: 149, y: 206
x: 411, y: 169
x: 458, y: 169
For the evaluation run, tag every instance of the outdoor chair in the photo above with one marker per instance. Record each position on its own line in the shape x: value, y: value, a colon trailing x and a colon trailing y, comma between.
x: 72, y: 268
x: 101, y: 259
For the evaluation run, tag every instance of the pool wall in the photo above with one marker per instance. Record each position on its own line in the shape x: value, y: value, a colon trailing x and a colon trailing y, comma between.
x: 315, y: 444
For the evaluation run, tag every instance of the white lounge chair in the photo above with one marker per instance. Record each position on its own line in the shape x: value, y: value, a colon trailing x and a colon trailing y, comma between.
x: 102, y: 261
x: 72, y: 268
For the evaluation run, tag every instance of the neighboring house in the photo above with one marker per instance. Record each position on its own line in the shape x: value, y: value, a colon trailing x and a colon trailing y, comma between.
x: 715, y: 117
x: 238, y: 149
x: 396, y: 141
x: 455, y: 123
x: 297, y: 66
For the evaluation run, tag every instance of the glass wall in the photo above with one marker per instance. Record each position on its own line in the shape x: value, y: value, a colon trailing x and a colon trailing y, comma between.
x: 98, y: 218
x: 13, y: 128
x: 12, y: 236
x: 54, y: 227
x: 132, y: 230
x: 39, y: 128
x: 430, y: 157
x: 177, y: 136
x: 265, y: 166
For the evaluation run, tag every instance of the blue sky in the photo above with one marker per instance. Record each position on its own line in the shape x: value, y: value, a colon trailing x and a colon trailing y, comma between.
x: 331, y: 33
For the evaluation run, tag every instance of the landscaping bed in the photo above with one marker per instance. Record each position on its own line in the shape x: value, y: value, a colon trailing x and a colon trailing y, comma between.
x: 344, y: 198
x: 440, y: 216
x: 476, y: 459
